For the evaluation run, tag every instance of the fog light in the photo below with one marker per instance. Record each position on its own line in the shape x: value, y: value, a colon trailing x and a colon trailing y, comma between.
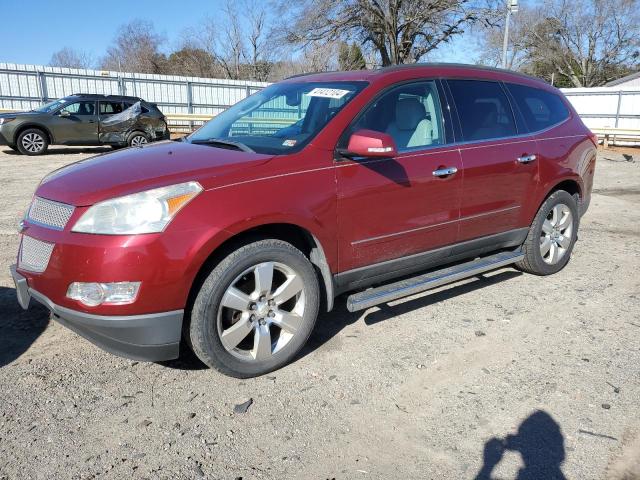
x: 93, y: 294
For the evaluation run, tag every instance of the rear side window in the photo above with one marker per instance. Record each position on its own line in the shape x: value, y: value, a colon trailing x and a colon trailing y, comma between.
x: 541, y: 109
x: 483, y: 108
x: 110, y: 108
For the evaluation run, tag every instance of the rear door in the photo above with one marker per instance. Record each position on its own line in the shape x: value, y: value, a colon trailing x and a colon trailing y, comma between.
x: 392, y: 208
x: 76, y: 123
x: 499, y: 158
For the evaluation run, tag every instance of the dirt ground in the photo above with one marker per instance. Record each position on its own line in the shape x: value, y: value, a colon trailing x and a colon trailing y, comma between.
x: 476, y: 380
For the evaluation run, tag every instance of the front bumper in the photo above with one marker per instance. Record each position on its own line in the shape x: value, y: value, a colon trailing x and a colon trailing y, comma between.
x: 3, y: 140
x: 150, y: 337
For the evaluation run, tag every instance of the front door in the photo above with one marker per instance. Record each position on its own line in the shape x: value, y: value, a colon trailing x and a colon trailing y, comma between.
x: 392, y: 208
x: 76, y: 124
x: 499, y: 158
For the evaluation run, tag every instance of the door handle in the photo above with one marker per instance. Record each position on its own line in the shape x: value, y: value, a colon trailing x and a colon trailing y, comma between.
x: 526, y: 158
x: 444, y: 172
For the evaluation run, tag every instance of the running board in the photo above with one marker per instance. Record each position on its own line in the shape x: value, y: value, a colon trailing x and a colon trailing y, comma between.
x: 427, y: 281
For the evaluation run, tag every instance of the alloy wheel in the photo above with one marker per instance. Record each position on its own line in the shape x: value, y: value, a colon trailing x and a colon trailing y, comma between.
x: 32, y: 142
x: 138, y: 141
x: 261, y: 311
x: 556, y: 234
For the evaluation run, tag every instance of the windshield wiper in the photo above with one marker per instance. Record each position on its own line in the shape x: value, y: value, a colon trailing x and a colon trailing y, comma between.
x: 228, y: 143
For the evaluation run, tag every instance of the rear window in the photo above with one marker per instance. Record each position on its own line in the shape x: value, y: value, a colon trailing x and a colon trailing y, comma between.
x: 483, y: 108
x: 541, y: 109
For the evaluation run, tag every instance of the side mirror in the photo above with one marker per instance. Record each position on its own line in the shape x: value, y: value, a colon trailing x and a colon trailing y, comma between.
x: 64, y: 113
x: 369, y: 143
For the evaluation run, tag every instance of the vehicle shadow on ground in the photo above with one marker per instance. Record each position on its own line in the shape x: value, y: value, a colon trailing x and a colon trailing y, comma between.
x: 66, y: 150
x: 18, y: 328
x: 330, y: 324
x: 540, y: 443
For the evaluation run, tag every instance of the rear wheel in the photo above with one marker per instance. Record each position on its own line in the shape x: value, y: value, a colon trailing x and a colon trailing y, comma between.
x: 138, y: 139
x: 255, y: 310
x: 552, y: 235
x: 32, y: 142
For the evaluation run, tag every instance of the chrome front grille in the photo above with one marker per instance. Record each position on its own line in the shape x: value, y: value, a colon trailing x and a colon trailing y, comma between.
x: 49, y: 213
x: 34, y: 254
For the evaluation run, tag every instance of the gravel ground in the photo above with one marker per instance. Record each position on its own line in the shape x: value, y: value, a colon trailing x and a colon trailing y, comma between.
x: 485, y: 377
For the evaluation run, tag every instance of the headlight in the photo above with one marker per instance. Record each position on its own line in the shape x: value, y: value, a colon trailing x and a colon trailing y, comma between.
x: 6, y: 120
x: 144, y: 212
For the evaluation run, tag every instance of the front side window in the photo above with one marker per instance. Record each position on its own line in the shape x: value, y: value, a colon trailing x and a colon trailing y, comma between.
x: 280, y: 119
x: 80, y: 108
x: 410, y: 113
x: 483, y: 109
x: 51, y: 106
x: 541, y: 109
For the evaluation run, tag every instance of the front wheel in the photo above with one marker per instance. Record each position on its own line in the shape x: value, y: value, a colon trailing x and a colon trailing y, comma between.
x: 552, y: 235
x: 255, y: 310
x: 32, y: 142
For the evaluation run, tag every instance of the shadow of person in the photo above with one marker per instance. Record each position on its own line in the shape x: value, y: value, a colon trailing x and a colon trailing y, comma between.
x: 18, y: 328
x: 540, y: 443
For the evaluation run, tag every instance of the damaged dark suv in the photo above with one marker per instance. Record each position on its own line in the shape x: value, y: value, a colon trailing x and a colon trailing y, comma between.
x: 84, y: 119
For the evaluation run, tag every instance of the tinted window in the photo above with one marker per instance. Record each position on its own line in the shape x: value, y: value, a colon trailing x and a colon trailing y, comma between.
x: 540, y: 109
x: 410, y: 113
x: 80, y: 108
x: 483, y: 109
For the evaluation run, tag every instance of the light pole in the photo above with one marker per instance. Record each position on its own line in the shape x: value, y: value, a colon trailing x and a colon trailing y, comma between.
x: 512, y: 7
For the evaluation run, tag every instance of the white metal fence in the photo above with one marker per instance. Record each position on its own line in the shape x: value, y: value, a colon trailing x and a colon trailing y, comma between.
x: 614, y: 107
x: 24, y: 87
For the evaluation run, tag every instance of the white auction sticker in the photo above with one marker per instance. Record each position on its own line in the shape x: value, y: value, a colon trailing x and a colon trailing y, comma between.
x: 328, y: 92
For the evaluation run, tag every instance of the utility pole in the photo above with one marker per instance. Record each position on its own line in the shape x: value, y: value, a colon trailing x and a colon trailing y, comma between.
x: 512, y: 7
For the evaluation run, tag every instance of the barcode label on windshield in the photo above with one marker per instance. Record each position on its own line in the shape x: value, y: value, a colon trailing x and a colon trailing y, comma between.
x: 328, y: 92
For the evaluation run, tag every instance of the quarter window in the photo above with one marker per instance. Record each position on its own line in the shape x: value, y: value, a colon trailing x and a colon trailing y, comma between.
x: 410, y: 113
x: 483, y: 109
x: 541, y: 109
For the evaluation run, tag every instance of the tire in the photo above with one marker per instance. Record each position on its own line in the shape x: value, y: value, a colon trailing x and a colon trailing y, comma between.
x: 138, y: 139
x: 32, y: 141
x: 555, y: 226
x: 246, y: 340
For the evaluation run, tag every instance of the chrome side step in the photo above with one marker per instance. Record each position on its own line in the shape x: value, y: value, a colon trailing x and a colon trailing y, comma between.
x: 427, y: 281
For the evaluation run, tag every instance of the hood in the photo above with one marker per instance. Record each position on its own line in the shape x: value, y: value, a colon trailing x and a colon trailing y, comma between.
x: 136, y: 169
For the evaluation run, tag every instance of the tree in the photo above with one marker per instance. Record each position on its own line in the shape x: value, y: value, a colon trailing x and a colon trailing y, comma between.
x: 70, y: 58
x: 577, y: 43
x: 136, y: 49
x: 400, y: 31
x: 192, y: 61
x: 238, y: 40
x: 350, y: 57
x: 585, y: 41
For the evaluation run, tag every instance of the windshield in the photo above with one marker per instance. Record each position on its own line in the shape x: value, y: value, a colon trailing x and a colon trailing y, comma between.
x: 282, y: 118
x: 51, y: 106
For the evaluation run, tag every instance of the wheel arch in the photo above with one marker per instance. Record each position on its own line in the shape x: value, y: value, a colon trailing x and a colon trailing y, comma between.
x: 298, y: 236
x: 38, y: 126
x: 570, y: 185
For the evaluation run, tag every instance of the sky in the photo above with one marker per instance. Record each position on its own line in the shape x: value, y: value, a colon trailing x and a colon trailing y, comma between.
x: 91, y: 25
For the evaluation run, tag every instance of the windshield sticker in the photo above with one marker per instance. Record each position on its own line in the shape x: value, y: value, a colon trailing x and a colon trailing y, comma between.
x: 289, y: 143
x: 328, y: 92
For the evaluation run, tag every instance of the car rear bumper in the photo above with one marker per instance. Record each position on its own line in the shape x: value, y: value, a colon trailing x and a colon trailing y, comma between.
x: 149, y: 337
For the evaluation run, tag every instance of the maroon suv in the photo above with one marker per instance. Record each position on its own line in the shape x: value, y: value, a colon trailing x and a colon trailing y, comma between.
x: 384, y: 183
